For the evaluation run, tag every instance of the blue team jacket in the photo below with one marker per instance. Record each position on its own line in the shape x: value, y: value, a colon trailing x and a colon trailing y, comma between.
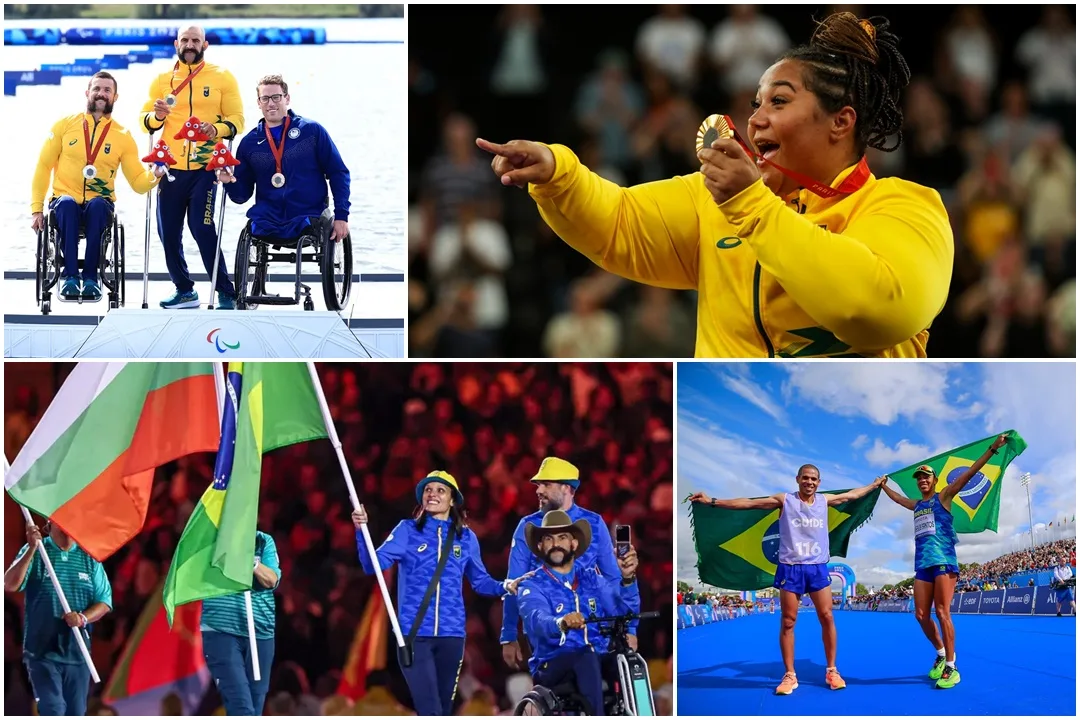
x: 600, y: 556
x: 309, y: 160
x: 418, y: 552
x: 546, y: 596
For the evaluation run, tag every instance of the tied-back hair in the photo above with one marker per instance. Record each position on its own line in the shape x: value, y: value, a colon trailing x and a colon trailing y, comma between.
x: 858, y: 63
x: 457, y: 519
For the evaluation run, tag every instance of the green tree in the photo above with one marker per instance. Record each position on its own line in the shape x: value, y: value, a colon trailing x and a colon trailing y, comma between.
x: 682, y: 587
x: 860, y: 589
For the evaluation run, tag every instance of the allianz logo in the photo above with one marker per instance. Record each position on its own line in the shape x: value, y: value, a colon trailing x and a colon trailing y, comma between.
x: 807, y: 522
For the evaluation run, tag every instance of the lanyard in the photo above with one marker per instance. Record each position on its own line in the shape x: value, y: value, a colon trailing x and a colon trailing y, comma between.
x: 852, y: 182
x: 562, y: 582
x: 187, y: 80
x: 277, y: 150
x: 92, y: 156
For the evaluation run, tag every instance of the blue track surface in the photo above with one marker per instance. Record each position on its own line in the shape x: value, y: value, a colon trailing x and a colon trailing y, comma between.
x: 1008, y: 666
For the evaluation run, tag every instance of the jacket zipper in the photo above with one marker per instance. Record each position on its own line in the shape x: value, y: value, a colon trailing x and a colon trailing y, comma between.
x: 757, y: 310
x: 438, y: 556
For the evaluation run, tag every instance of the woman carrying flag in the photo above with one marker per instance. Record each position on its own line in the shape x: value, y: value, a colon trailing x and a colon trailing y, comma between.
x: 936, y: 568
x: 435, y: 550
x: 794, y: 247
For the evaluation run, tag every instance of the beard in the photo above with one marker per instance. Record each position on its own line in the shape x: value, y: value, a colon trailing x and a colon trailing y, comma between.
x: 550, y: 504
x: 91, y: 105
x: 196, y: 61
x: 567, y: 556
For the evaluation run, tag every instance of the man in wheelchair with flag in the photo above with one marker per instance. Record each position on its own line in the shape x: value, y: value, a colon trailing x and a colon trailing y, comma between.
x: 558, y: 603
x: 287, y: 160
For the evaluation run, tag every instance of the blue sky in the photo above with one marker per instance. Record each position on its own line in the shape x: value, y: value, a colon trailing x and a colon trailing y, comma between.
x: 745, y: 428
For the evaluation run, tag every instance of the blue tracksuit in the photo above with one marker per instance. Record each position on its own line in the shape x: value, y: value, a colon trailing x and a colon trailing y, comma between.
x: 600, y: 555
x: 440, y: 641
x: 95, y: 214
x: 547, y: 596
x: 191, y: 194
x: 309, y: 160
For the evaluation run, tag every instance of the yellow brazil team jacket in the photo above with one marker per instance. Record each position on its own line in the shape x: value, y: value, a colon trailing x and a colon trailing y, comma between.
x: 64, y: 156
x: 212, y: 96
x: 857, y: 275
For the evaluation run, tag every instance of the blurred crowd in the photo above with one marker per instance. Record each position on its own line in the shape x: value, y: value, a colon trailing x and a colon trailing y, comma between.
x: 489, y: 425
x: 989, y: 123
x: 726, y: 606
x: 997, y: 574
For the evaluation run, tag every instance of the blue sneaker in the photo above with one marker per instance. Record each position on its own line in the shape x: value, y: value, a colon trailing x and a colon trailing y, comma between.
x: 225, y: 302
x: 181, y: 300
x: 91, y: 290
x: 70, y: 289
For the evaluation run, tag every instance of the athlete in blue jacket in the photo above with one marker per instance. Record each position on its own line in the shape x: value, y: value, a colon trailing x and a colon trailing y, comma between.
x: 417, y: 545
x: 556, y: 601
x: 556, y: 483
x: 287, y: 160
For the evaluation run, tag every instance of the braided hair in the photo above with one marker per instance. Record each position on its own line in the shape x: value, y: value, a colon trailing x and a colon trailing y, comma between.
x: 858, y: 63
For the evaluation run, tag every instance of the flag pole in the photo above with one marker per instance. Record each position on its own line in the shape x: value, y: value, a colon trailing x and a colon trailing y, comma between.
x: 219, y: 384
x: 59, y: 591
x: 332, y: 432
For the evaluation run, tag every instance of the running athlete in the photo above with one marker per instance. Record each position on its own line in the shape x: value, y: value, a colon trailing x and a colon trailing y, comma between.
x: 936, y: 568
x: 804, y: 562
x: 802, y: 253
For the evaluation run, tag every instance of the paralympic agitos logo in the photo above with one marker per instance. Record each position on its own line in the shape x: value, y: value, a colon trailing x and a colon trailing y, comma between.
x: 214, y: 339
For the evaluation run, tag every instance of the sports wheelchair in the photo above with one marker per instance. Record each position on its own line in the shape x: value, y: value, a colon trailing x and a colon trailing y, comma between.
x: 627, y: 687
x: 254, y: 255
x: 49, y: 261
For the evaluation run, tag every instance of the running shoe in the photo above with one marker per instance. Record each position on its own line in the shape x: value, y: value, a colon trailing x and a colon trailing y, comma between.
x: 787, y: 685
x: 70, y: 289
x: 833, y: 680
x: 939, y: 665
x: 181, y: 300
x: 950, y: 676
x: 91, y: 291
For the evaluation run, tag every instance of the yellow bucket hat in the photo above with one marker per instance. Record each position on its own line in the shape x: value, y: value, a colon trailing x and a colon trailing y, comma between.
x: 554, y: 469
x: 439, y: 476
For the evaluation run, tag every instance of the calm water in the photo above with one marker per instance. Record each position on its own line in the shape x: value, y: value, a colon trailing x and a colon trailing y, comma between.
x: 356, y: 91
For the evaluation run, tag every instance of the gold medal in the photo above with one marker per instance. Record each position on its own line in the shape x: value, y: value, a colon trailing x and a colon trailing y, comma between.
x: 714, y: 128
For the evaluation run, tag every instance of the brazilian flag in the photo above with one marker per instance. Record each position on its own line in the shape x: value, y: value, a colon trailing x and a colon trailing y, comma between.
x: 738, y: 549
x: 975, y: 508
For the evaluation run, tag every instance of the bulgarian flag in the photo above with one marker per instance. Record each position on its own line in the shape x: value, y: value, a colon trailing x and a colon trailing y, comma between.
x: 368, y: 650
x: 90, y: 461
x: 157, y: 661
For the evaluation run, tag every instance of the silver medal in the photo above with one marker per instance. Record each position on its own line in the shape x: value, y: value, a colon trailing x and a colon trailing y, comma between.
x: 278, y: 180
x: 170, y: 100
x: 89, y: 172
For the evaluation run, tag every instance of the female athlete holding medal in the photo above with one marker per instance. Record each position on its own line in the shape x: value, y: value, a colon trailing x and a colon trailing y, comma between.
x: 801, y: 253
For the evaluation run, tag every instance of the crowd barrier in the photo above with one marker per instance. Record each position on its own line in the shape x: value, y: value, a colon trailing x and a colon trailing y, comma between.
x: 1040, y: 600
x: 695, y: 615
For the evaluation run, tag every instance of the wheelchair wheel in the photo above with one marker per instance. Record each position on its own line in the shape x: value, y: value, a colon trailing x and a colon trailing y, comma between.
x: 243, y: 268
x: 538, y: 701
x: 121, y: 264
x: 337, y: 272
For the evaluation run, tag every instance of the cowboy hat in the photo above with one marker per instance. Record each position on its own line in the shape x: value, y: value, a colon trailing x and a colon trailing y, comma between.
x: 558, y: 521
x: 444, y: 478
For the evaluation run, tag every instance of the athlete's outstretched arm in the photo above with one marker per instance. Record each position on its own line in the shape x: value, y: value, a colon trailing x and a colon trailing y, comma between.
x: 856, y: 493
x: 897, y: 497
x: 771, y: 502
x: 648, y: 233
x: 952, y: 489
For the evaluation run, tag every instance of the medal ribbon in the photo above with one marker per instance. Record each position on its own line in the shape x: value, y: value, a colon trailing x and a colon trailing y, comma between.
x: 277, y: 150
x: 92, y: 156
x: 851, y: 183
x: 187, y: 80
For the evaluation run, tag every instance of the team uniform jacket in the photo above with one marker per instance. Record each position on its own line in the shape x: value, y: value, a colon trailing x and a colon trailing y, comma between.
x: 309, y: 160
x: 858, y: 275
x: 417, y: 553
x: 213, y: 97
x: 63, y: 157
x: 547, y: 596
x: 600, y: 556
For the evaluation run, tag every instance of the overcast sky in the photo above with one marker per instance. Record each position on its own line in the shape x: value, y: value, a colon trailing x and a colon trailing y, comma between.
x: 745, y: 428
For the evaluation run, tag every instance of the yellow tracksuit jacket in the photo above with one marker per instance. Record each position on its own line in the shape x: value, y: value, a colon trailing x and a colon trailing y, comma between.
x: 64, y: 153
x: 858, y: 275
x: 212, y: 96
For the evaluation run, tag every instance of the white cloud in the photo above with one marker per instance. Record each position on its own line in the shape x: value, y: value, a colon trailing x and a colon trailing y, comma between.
x: 905, y: 453
x: 753, y: 393
x: 781, y: 442
x: 881, y: 392
x: 860, y: 441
